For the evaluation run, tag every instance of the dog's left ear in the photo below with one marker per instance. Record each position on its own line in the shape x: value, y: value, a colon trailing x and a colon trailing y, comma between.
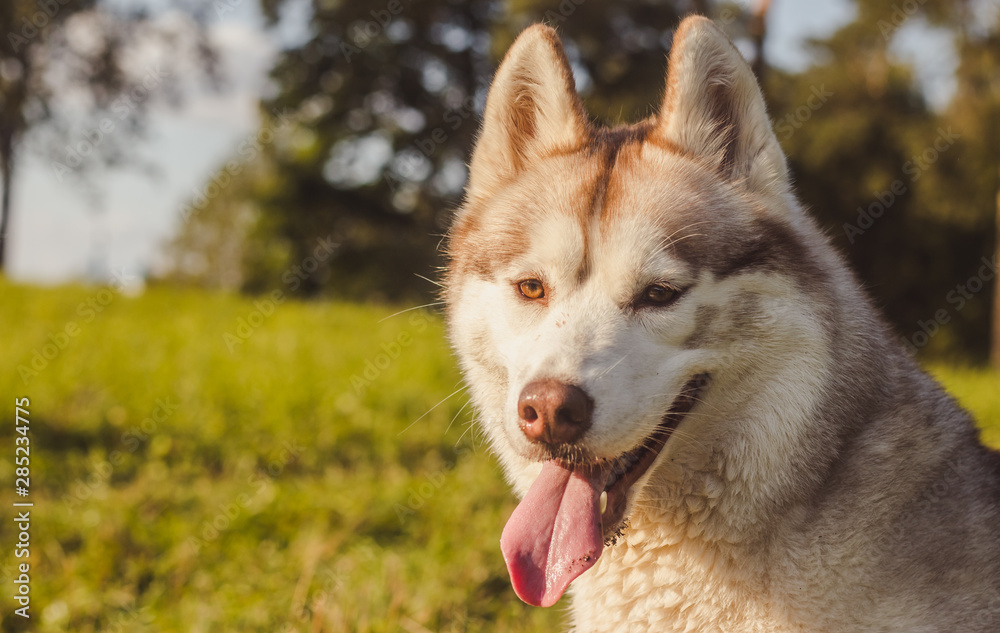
x: 713, y: 109
x: 532, y: 107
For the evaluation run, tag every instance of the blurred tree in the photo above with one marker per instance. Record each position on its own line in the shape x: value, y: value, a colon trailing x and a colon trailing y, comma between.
x: 224, y: 221
x: 385, y: 101
x: 757, y: 31
x: 79, y: 76
x: 976, y: 109
x: 905, y: 191
x: 211, y: 253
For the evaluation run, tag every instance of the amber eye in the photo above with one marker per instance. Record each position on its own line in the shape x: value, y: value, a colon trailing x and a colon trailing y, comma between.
x: 531, y: 289
x: 658, y: 295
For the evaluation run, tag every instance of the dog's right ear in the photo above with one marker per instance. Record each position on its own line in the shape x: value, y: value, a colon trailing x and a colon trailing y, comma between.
x: 713, y: 109
x: 532, y: 107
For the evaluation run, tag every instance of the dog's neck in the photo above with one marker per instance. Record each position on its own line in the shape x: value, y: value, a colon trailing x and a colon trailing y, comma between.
x: 666, y: 576
x: 695, y: 552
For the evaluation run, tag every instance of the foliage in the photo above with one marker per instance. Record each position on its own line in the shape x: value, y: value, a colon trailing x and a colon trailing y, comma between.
x: 907, y: 193
x: 387, y: 100
x: 295, y: 481
x: 77, y: 78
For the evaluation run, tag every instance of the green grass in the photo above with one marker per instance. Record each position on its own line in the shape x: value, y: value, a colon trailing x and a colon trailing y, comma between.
x: 186, y: 482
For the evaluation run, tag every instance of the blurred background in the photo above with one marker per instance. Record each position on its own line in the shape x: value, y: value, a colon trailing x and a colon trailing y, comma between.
x: 220, y: 244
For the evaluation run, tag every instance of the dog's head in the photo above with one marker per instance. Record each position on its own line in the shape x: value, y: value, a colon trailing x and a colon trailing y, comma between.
x: 602, y: 282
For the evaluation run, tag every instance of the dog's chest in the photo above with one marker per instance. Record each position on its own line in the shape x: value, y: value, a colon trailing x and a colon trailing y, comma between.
x: 656, y: 580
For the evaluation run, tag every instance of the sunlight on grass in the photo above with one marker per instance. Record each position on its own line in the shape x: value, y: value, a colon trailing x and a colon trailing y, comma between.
x: 187, y: 482
x: 199, y: 466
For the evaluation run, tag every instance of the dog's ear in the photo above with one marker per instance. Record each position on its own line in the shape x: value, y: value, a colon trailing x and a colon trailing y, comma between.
x: 714, y: 109
x: 532, y: 107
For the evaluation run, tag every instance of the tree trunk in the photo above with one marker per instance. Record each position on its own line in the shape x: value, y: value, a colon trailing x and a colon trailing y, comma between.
x: 757, y: 29
x: 6, y: 177
x: 995, y: 338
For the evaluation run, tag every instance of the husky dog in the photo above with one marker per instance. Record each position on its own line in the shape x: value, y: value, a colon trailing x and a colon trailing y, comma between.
x: 710, y: 426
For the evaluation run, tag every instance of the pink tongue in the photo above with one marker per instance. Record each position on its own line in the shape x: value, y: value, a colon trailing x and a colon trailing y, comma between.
x: 555, y: 534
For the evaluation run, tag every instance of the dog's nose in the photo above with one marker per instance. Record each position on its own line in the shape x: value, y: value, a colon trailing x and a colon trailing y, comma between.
x: 554, y: 412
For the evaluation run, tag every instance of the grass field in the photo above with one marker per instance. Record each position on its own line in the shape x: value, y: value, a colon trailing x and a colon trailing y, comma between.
x: 216, y: 463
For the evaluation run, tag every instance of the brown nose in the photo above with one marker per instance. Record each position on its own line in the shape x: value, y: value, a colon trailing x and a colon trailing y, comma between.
x: 554, y: 412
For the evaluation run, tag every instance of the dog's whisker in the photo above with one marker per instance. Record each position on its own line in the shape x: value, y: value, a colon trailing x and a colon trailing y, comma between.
x: 446, y: 398
x: 426, y: 305
x: 667, y: 239
x: 469, y: 427
x: 428, y: 279
x: 681, y: 239
x: 467, y: 403
x: 609, y: 369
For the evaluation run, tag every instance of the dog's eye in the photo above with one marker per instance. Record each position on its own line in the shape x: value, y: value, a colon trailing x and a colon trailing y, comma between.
x: 531, y: 289
x: 658, y: 295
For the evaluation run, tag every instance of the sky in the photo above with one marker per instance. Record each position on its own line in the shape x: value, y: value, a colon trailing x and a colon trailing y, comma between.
x: 59, y: 233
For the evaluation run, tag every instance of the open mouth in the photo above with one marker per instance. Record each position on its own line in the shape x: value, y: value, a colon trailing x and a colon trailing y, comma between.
x: 559, y: 529
x: 631, y: 466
